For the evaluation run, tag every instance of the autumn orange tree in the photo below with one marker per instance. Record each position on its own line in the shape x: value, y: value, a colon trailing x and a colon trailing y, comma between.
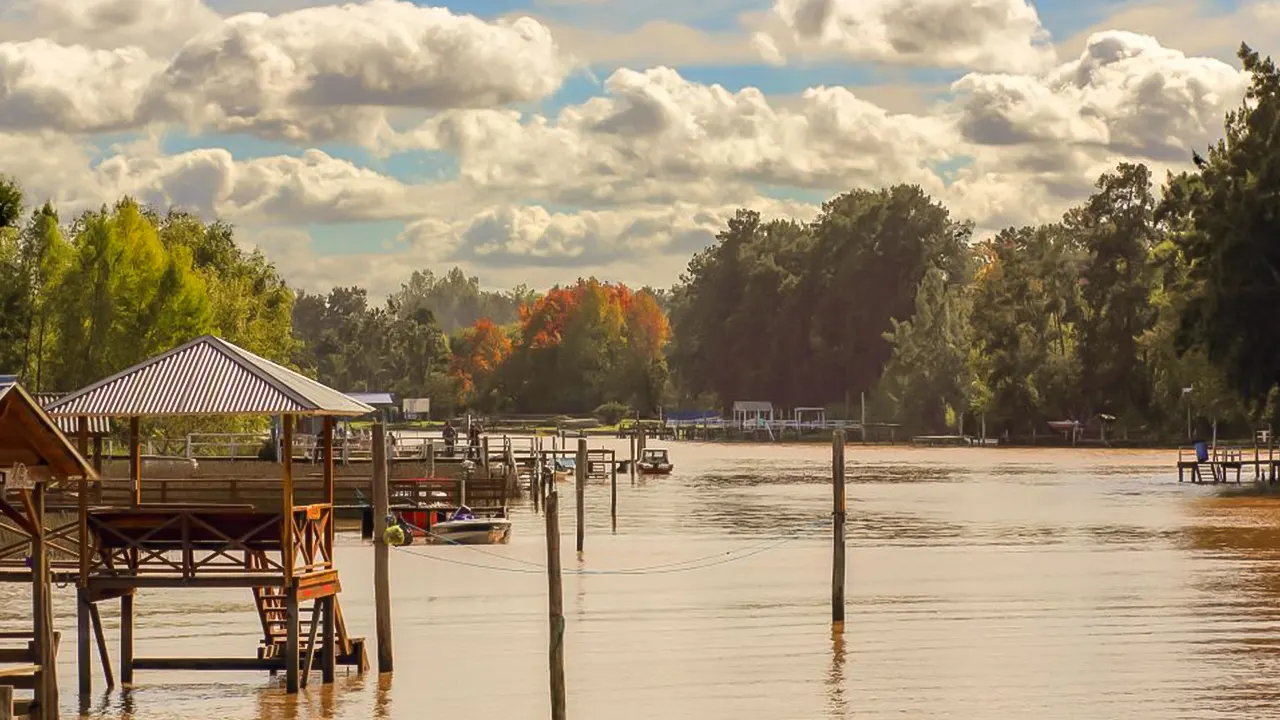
x: 479, y: 353
x: 586, y: 344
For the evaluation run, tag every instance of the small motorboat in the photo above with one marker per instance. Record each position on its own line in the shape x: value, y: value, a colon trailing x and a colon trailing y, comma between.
x: 465, y: 527
x: 654, y: 461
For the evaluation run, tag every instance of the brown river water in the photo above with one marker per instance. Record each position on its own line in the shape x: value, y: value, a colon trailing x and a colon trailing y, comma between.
x: 983, y: 583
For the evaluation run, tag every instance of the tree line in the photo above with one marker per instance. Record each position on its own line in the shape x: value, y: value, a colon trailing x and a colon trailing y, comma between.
x: 1133, y: 307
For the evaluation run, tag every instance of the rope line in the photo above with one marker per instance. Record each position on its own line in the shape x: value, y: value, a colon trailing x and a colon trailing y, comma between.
x: 700, y: 563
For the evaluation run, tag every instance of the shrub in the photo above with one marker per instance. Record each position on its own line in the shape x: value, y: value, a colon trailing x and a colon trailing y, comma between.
x: 611, y: 413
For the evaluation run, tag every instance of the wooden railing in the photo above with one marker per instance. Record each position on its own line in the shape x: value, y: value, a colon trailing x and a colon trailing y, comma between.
x: 312, y: 540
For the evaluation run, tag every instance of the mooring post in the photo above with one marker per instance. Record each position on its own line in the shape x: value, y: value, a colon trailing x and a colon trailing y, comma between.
x: 580, y: 488
x: 633, y: 440
x: 838, y: 515
x: 84, y: 652
x: 613, y: 490
x: 292, y: 652
x: 6, y: 702
x: 555, y: 604
x: 431, y: 458
x: 381, y: 552
x: 126, y: 638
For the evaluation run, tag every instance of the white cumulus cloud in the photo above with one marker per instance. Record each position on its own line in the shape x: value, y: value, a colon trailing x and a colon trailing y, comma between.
x: 659, y: 137
x: 978, y: 34
x: 1125, y: 93
x: 74, y: 89
x: 328, y: 72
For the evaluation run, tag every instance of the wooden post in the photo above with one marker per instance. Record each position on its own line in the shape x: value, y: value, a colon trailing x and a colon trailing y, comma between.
x: 286, y: 497
x: 329, y: 660
x: 46, y: 690
x: 555, y: 603
x: 863, y: 423
x: 135, y: 460
x: 6, y: 702
x: 381, y: 553
x: 634, y: 439
x: 103, y: 654
x: 580, y: 488
x: 292, y: 659
x: 97, y: 466
x: 613, y: 490
x: 484, y: 456
x: 126, y: 639
x: 84, y: 652
x: 837, y: 557
x: 431, y: 458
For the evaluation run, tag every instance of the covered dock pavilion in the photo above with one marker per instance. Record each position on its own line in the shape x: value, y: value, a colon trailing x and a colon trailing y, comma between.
x: 283, y: 557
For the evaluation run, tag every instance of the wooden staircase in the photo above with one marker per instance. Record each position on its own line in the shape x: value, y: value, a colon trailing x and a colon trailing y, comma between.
x: 274, y: 616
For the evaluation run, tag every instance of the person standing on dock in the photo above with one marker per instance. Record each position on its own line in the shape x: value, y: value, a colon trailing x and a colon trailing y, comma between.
x: 450, y: 437
x: 473, y: 439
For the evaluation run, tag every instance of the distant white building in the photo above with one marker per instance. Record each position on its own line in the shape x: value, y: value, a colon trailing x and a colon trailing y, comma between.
x: 747, y: 413
x: 417, y: 408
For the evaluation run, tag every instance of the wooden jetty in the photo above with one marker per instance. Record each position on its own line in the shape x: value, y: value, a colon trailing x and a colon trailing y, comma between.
x: 1224, y: 464
x: 282, y: 556
x: 34, y: 456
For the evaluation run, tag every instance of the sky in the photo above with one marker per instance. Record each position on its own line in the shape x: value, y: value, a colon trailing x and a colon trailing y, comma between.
x: 539, y: 141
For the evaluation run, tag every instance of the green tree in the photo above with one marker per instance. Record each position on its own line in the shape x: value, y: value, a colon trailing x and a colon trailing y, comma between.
x: 123, y: 298
x: 928, y: 377
x: 1226, y: 214
x: 1116, y: 231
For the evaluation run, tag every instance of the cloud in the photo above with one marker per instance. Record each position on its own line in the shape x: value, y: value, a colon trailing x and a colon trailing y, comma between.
x: 74, y: 89
x: 329, y: 72
x: 660, y: 138
x: 977, y: 34
x: 531, y: 235
x: 1125, y: 93
x: 156, y: 26
x: 312, y: 188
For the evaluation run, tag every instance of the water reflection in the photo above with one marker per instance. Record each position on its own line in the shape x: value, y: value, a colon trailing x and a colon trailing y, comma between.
x: 837, y: 706
x: 982, y: 584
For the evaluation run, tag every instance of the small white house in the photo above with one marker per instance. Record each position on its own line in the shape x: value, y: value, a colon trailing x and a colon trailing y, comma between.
x: 748, y: 413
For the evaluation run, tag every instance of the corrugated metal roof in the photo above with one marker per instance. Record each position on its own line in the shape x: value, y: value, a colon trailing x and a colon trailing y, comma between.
x: 70, y: 425
x: 66, y: 461
x: 207, y: 376
x: 752, y: 406
x: 372, y: 398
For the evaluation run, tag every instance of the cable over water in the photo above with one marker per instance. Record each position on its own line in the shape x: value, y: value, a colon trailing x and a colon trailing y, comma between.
x: 698, y: 563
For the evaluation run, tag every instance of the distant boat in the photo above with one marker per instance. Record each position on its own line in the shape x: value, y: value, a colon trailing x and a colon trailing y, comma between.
x: 654, y: 461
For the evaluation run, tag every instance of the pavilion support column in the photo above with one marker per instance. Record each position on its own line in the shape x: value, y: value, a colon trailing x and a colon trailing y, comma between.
x: 291, y: 652
x: 97, y: 467
x: 135, y: 461
x: 46, y: 691
x: 330, y: 604
x: 84, y: 637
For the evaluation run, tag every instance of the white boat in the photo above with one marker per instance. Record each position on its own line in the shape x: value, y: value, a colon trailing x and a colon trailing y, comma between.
x: 464, y: 527
x: 654, y: 461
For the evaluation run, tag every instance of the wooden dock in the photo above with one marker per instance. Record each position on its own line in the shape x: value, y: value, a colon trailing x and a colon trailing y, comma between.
x: 1227, y: 464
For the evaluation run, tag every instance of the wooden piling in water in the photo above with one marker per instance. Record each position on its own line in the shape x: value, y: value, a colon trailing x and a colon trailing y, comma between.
x: 613, y: 492
x: 555, y: 604
x: 381, y: 553
x: 838, y: 516
x: 580, y: 489
x: 84, y: 652
x: 126, y: 639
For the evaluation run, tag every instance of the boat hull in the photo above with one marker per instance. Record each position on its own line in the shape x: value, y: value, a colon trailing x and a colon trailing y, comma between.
x: 654, y: 469
x: 471, y: 532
